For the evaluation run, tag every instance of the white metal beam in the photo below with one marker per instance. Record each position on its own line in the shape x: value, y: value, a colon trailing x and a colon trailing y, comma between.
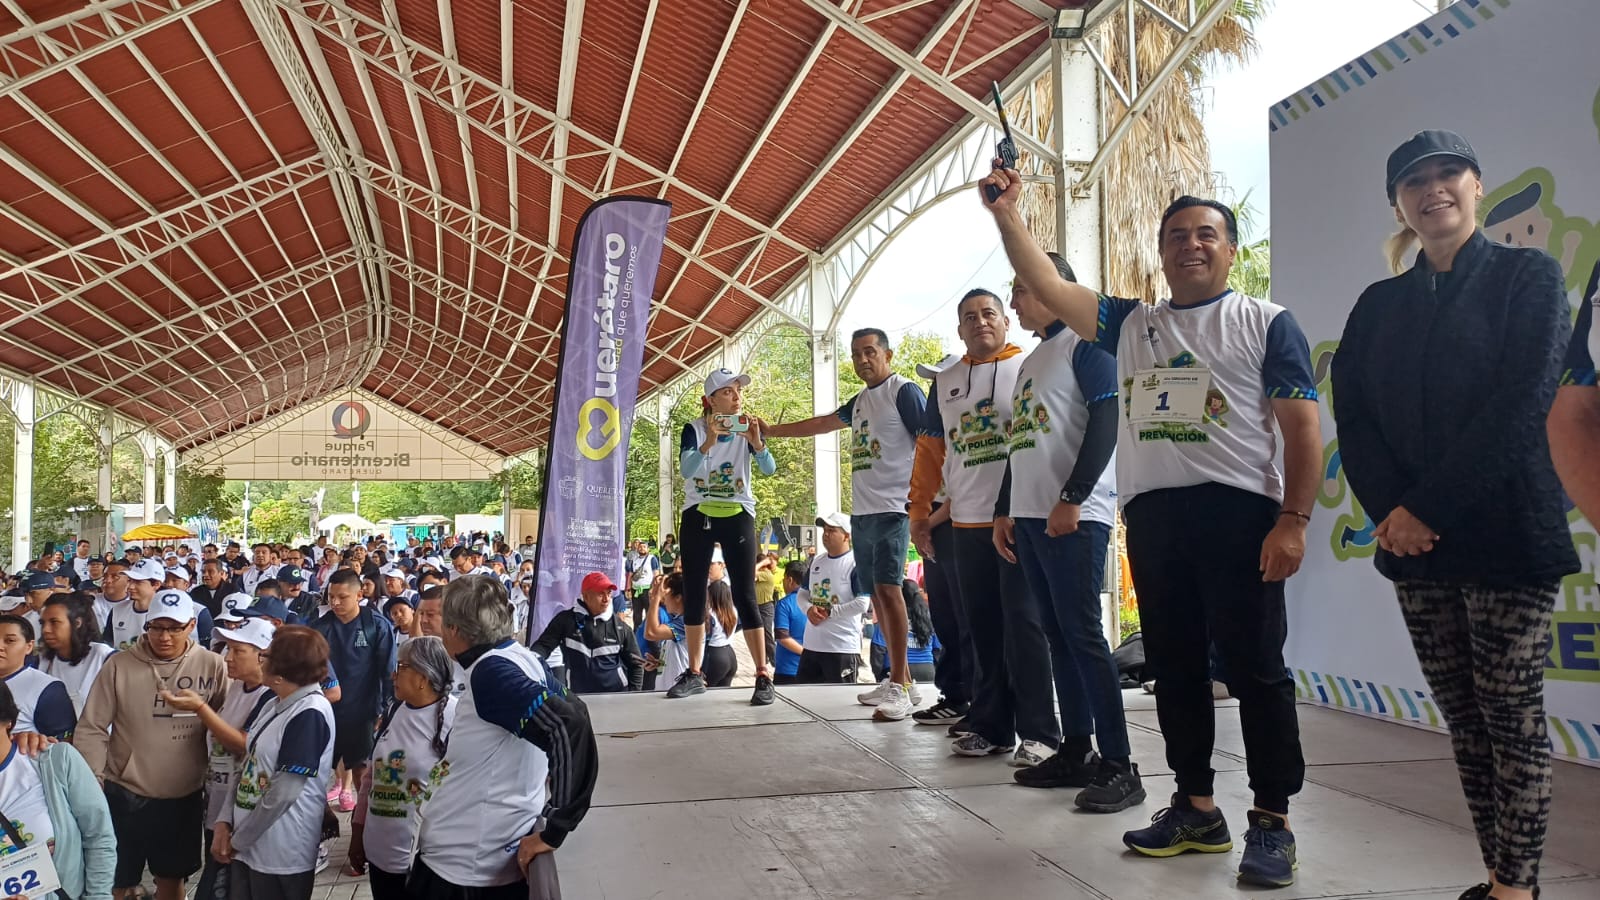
x: 21, y: 397
x: 38, y: 50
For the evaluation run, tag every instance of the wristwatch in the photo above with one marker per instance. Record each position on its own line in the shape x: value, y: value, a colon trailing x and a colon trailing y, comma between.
x: 1069, y: 494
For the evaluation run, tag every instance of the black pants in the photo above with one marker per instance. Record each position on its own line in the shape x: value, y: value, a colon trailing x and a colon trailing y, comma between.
x: 819, y: 667
x: 213, y: 883
x: 718, y: 665
x: 952, y: 670
x: 424, y: 884
x: 641, y: 607
x: 1195, y: 553
x: 386, y: 885
x: 249, y: 884
x: 1013, y: 688
x: 699, y: 533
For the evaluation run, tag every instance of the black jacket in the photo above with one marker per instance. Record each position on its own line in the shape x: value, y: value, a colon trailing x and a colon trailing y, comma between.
x: 1441, y: 385
x: 599, y: 652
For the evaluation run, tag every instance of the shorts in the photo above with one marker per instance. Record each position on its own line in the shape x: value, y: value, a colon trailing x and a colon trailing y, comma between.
x: 352, y: 741
x: 880, y: 541
x: 162, y: 833
x: 823, y: 667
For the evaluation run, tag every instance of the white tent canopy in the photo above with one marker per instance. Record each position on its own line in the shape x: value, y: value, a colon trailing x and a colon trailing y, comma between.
x: 351, y: 521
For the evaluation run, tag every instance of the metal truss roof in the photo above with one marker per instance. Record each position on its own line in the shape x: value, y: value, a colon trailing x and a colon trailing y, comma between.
x: 212, y: 211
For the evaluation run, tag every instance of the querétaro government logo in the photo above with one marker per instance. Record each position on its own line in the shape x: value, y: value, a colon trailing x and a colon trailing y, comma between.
x: 351, y: 419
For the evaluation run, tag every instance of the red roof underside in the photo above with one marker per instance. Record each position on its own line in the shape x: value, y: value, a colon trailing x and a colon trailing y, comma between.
x: 179, y: 244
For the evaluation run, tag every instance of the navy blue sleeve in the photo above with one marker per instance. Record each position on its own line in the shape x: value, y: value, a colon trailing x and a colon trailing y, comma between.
x: 304, y: 739
x: 1096, y: 371
x: 932, y: 419
x: 858, y: 588
x: 1108, y: 330
x: 910, y: 403
x: 686, y: 441
x: 54, y: 716
x: 1286, y: 370
x: 203, y: 624
x: 332, y: 681
x: 847, y: 410
x: 505, y: 695
x: 1578, y: 368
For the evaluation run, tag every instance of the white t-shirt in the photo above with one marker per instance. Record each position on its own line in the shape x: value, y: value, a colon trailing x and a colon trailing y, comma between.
x: 1255, y: 352
x: 724, y: 473
x: 238, y: 708
x: 253, y: 576
x: 22, y: 798
x: 78, y: 677
x: 284, y: 741
x: 492, y: 784
x: 1049, y: 414
x: 970, y: 409
x: 43, y: 705
x: 883, y: 423
x: 831, y: 583
x: 405, y: 770
x: 80, y: 567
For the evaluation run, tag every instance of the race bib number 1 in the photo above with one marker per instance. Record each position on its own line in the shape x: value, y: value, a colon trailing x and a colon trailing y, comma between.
x: 28, y: 873
x: 1169, y: 395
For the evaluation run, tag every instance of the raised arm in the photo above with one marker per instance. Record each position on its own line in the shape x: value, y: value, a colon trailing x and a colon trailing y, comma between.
x: 1073, y: 303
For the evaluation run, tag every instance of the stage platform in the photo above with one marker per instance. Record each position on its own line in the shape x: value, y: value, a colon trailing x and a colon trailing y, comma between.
x: 708, y: 798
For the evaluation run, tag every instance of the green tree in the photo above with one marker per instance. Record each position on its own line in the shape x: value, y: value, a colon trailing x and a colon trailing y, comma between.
x: 1252, y: 268
x: 203, y: 492
x: 64, y: 467
x: 642, y: 486
x: 278, y: 520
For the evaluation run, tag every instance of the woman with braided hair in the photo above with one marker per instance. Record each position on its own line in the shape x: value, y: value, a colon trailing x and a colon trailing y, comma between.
x: 411, y: 741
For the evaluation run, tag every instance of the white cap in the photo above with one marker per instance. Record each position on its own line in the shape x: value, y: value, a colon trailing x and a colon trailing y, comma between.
x: 436, y: 561
x: 721, y: 378
x: 393, y: 571
x: 837, y: 520
x: 180, y: 572
x: 234, y: 605
x: 171, y: 604
x: 255, y: 631
x: 148, y: 570
x: 930, y: 371
x: 9, y: 602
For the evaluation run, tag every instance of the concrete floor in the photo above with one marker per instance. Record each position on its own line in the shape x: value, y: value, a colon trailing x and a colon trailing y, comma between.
x: 709, y: 798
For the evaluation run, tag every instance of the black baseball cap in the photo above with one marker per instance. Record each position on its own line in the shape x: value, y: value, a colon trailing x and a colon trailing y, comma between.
x: 1426, y: 145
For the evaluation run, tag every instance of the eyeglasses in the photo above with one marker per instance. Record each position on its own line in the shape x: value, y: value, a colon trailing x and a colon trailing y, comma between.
x: 403, y: 665
x: 167, y: 630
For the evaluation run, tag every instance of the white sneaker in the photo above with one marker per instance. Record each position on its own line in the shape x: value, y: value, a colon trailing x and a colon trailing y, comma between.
x: 322, y: 857
x: 896, y: 706
x: 876, y: 695
x: 1031, y: 753
x: 881, y: 693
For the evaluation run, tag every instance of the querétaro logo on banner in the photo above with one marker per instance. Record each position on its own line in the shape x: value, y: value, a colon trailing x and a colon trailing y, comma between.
x: 351, y: 419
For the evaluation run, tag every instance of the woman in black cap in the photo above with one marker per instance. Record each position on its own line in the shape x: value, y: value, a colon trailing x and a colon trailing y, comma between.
x: 1441, y: 385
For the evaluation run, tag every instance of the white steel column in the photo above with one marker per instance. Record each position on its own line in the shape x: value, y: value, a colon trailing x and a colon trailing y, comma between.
x: 169, y: 486
x: 666, y: 468
x: 22, y: 474
x: 147, y: 452
x: 1077, y: 127
x: 825, y: 381
x: 105, y: 433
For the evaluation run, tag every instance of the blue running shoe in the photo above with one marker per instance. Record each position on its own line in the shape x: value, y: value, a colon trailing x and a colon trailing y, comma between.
x: 1269, y: 858
x: 1181, y: 828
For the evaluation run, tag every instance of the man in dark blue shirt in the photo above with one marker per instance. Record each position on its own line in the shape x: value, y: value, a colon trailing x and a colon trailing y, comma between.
x: 361, y: 648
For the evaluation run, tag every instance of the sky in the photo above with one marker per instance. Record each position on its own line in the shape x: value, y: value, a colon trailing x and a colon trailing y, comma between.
x: 953, y: 247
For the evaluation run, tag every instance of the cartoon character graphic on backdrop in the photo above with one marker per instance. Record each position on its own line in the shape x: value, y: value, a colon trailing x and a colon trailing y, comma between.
x: 1353, y: 535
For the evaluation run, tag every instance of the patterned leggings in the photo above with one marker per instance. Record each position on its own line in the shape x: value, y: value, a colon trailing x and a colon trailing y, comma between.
x: 1483, y: 650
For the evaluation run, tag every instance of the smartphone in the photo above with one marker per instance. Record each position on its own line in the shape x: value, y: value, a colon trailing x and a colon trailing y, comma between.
x: 736, y: 424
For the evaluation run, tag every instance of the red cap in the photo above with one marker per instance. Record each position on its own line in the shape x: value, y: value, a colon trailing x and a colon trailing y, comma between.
x: 595, y: 581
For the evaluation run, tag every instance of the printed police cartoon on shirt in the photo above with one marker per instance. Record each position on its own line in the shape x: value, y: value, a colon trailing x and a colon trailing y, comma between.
x: 864, y: 448
x: 1028, y: 414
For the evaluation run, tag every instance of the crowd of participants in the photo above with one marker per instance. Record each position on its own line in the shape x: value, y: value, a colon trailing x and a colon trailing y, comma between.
x: 178, y: 715
x: 371, y: 680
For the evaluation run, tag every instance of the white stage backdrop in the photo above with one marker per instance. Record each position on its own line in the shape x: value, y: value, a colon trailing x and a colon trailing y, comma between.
x: 1519, y: 79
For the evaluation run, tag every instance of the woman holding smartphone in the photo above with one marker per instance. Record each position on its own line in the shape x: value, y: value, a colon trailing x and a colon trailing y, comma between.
x: 715, y: 455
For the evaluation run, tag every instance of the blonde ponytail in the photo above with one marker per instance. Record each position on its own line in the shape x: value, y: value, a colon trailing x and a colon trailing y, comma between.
x: 1398, y: 247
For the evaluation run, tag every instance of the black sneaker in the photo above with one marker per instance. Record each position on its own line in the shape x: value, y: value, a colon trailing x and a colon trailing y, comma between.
x: 1479, y: 891
x: 765, y: 693
x: 1181, y: 828
x: 688, y: 684
x: 1060, y: 770
x: 942, y: 713
x: 1269, y: 858
x: 1114, y: 788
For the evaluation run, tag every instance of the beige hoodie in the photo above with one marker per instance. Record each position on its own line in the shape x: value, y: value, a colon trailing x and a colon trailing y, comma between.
x: 130, y: 737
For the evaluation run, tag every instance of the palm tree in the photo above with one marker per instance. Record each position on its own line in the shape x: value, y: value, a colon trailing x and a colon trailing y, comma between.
x: 1252, y: 268
x: 1164, y: 155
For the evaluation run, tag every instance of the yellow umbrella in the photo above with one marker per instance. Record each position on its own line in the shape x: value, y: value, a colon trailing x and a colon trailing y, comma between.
x: 158, y: 532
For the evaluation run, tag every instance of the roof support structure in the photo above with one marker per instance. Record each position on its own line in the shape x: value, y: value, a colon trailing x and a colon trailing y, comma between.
x: 38, y: 50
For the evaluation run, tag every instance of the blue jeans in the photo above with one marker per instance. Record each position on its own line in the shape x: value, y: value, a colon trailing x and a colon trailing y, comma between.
x: 1064, y: 576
